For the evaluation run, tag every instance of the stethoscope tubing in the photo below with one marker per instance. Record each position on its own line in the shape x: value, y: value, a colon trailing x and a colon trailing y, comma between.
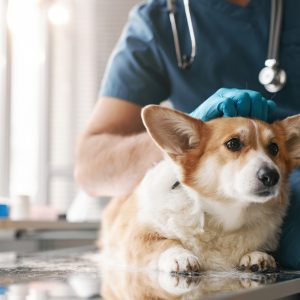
x: 275, y: 29
x: 271, y: 76
x: 176, y: 40
x: 183, y: 61
x: 191, y: 30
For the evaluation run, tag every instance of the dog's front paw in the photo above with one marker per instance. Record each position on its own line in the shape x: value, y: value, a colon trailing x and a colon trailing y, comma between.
x: 178, y: 260
x: 257, y: 262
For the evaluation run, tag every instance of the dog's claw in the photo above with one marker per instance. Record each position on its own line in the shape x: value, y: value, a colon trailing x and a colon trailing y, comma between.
x: 254, y: 268
x: 257, y: 262
x: 241, y: 268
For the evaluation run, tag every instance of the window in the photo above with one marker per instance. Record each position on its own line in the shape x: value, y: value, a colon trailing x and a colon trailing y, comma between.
x: 52, y: 58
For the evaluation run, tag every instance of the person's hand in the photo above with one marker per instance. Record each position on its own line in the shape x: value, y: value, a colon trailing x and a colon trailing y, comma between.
x: 234, y: 102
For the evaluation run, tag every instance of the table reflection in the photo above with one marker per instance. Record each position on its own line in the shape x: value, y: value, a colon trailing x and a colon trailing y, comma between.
x: 85, y: 275
x: 123, y: 284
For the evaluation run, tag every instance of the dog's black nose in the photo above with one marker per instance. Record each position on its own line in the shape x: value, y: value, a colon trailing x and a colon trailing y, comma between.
x: 269, y: 177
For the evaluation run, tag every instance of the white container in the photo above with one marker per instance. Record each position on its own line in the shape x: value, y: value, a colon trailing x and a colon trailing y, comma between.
x: 20, y: 208
x: 17, y: 292
x: 35, y: 294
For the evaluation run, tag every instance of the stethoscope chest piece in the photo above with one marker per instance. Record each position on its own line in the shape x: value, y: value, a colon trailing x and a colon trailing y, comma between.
x: 272, y: 77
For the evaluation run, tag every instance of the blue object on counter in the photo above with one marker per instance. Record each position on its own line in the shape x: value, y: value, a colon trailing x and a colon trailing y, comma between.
x: 3, y: 289
x: 4, y: 211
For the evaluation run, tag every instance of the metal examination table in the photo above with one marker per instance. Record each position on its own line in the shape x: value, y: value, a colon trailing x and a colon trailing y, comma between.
x: 77, y: 273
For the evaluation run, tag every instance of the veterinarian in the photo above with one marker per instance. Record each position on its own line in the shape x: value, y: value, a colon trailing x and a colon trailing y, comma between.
x: 232, y: 40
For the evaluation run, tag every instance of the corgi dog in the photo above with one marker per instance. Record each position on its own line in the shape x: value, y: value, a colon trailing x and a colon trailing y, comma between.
x: 216, y: 202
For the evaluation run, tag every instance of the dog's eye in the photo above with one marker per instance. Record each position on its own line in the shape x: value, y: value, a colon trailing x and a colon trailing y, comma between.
x: 273, y: 149
x: 234, y: 144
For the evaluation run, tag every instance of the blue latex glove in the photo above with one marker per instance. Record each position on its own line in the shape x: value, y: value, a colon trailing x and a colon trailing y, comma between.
x: 234, y: 102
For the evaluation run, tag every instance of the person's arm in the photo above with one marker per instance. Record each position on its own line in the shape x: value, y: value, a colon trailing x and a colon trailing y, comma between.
x: 114, y: 151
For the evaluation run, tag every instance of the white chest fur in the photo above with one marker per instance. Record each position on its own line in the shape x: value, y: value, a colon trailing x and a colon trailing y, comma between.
x: 211, y: 230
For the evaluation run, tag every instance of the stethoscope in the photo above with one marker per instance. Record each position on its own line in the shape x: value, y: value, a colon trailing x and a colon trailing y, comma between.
x: 272, y: 77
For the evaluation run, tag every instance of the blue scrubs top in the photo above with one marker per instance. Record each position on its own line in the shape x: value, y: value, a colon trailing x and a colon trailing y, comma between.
x: 232, y: 44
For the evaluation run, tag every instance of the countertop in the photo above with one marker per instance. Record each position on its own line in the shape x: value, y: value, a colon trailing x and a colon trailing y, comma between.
x: 84, y: 274
x: 47, y: 225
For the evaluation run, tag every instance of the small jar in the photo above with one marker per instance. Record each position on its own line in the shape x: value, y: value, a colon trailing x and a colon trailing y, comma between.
x: 20, y: 208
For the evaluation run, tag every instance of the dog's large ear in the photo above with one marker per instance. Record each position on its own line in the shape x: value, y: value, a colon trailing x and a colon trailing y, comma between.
x: 173, y: 131
x: 292, y: 130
